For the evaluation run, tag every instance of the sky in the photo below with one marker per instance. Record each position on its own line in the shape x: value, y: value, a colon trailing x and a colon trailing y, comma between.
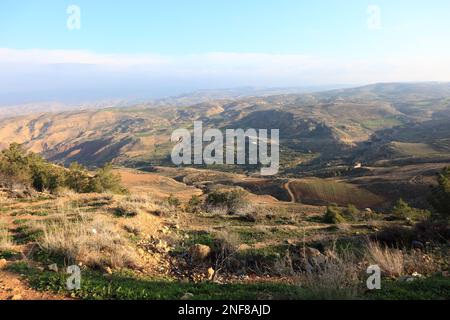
x: 84, y: 49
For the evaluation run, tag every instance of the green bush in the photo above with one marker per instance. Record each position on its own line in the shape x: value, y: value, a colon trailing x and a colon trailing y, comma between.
x: 403, y: 210
x: 194, y: 205
x: 173, y: 201
x: 232, y: 201
x: 29, y: 170
x: 77, y: 178
x: 440, y: 195
x: 352, y: 213
x: 333, y: 215
x: 105, y: 180
x: 15, y: 167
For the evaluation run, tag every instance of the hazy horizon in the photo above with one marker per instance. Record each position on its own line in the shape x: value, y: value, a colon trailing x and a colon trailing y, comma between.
x: 85, y: 51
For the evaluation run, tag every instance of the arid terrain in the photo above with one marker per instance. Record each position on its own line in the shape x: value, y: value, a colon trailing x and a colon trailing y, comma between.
x: 363, y: 181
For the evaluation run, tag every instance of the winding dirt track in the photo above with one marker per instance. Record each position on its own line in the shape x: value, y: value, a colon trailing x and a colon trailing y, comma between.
x: 287, y: 186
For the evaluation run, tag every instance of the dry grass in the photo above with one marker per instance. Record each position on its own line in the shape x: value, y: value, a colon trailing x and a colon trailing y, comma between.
x: 6, y: 243
x: 135, y: 205
x: 391, y: 261
x: 96, y: 243
x: 335, y: 278
x: 419, y: 262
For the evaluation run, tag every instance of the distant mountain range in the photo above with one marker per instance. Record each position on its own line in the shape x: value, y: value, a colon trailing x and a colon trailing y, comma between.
x: 372, y: 124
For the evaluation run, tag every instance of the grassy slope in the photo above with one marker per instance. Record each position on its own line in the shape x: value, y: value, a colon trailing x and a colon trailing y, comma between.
x: 332, y: 191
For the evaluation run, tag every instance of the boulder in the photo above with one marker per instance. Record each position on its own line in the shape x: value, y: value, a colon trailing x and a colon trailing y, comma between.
x: 187, y: 296
x: 53, y: 267
x: 211, y: 273
x: 199, y: 252
x: 311, y: 252
x: 417, y: 245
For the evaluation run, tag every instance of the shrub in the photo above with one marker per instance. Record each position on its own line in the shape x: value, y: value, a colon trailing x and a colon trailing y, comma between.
x: 6, y: 242
x: 395, y: 263
x: 21, y: 169
x: 127, y: 209
x: 432, y: 231
x: 173, y: 201
x: 391, y: 261
x: 351, y: 212
x: 47, y: 177
x: 440, y: 195
x: 403, y: 210
x: 396, y: 236
x: 333, y: 215
x: 95, y: 243
x: 77, y: 178
x: 335, y: 278
x: 14, y: 167
x: 25, y: 170
x: 131, y: 206
x: 232, y: 201
x: 194, y: 205
x: 105, y: 180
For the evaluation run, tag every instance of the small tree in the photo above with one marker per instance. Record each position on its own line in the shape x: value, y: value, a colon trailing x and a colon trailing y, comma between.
x: 403, y: 210
x: 440, y: 195
x: 105, y: 180
x: 173, y: 201
x: 194, y: 204
x: 351, y: 212
x: 333, y: 215
x: 233, y: 201
x: 14, y: 167
x: 78, y: 178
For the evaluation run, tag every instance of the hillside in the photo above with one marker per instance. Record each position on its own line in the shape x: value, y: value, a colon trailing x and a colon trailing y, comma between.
x: 146, y: 229
x: 327, y: 125
x: 322, y: 135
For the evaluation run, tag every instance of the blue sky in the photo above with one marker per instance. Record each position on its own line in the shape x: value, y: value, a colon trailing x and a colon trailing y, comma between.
x: 182, y: 45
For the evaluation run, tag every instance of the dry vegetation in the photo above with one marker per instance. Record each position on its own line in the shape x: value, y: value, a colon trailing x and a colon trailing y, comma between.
x: 221, y: 237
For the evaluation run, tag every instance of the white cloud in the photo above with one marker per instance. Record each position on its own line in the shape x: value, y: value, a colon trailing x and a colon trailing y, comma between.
x: 41, y: 70
x: 42, y: 57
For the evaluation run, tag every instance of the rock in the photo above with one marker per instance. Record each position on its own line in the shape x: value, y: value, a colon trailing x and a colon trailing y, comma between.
x: 289, y: 242
x: 187, y: 296
x: 20, y: 194
x: 53, y: 267
x: 16, y: 297
x: 165, y: 230
x: 311, y: 252
x: 162, y: 247
x: 319, y: 260
x: 368, y: 210
x: 417, y: 245
x: 2, y: 263
x: 331, y: 254
x: 211, y: 273
x: 407, y: 279
x: 199, y: 252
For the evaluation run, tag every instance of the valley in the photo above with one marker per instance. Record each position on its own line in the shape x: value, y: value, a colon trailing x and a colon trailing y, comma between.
x: 358, y: 170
